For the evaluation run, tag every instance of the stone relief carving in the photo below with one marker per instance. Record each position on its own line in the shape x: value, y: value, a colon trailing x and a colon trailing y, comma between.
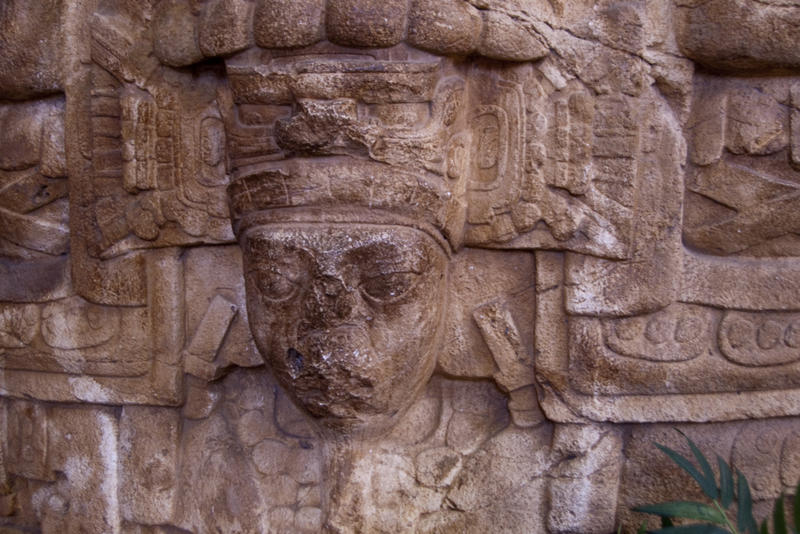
x: 396, y: 266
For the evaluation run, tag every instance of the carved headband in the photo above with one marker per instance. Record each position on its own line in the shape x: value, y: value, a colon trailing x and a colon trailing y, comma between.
x: 356, y: 191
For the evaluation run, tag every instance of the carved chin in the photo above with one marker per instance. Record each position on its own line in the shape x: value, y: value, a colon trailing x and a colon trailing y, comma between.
x: 335, y: 374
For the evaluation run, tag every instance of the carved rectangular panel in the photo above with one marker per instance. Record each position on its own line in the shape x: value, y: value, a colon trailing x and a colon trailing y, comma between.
x: 73, y: 350
x: 570, y: 167
x: 156, y: 166
x: 34, y: 208
x: 743, y: 184
x: 684, y: 362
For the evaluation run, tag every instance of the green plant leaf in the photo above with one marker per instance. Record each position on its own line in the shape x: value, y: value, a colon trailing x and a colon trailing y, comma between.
x: 744, y: 512
x: 764, y: 527
x: 642, y: 528
x: 779, y: 517
x: 684, y: 509
x: 692, y: 529
x: 709, y: 486
x: 725, y: 482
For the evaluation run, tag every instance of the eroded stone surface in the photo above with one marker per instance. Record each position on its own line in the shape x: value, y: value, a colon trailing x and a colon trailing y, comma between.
x: 415, y: 266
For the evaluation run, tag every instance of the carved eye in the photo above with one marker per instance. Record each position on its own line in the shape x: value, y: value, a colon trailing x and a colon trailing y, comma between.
x: 274, y: 285
x: 388, y: 287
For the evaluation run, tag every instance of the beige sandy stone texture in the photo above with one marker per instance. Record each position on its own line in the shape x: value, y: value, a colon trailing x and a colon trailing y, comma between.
x: 356, y: 23
x: 446, y: 28
x: 225, y: 27
x: 285, y: 25
x: 31, y: 36
x: 358, y: 266
x: 175, y: 33
x: 739, y: 35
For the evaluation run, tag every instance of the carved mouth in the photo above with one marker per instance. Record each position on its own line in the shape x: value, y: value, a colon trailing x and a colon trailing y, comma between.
x: 330, y: 348
x: 333, y: 374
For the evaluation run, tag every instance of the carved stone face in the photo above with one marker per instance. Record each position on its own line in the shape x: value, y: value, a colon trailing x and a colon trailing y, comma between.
x: 347, y: 315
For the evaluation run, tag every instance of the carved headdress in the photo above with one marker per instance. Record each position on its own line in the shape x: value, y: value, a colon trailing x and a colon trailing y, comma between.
x: 367, y: 192
x: 372, y: 141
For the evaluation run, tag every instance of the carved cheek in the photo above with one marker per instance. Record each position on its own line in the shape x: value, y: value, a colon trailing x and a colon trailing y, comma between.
x: 408, y: 325
x: 274, y: 304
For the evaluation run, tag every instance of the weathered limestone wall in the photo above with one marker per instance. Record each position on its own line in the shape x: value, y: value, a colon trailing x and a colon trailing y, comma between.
x: 383, y: 266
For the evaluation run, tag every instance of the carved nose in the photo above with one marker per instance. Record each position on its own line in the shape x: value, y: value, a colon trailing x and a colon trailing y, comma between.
x: 332, y: 287
x: 331, y: 302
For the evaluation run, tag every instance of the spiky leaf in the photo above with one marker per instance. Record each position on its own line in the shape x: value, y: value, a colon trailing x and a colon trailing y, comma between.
x: 744, y: 514
x: 692, y: 529
x: 684, y: 509
x: 725, y: 482
x: 709, y: 486
x: 779, y: 517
